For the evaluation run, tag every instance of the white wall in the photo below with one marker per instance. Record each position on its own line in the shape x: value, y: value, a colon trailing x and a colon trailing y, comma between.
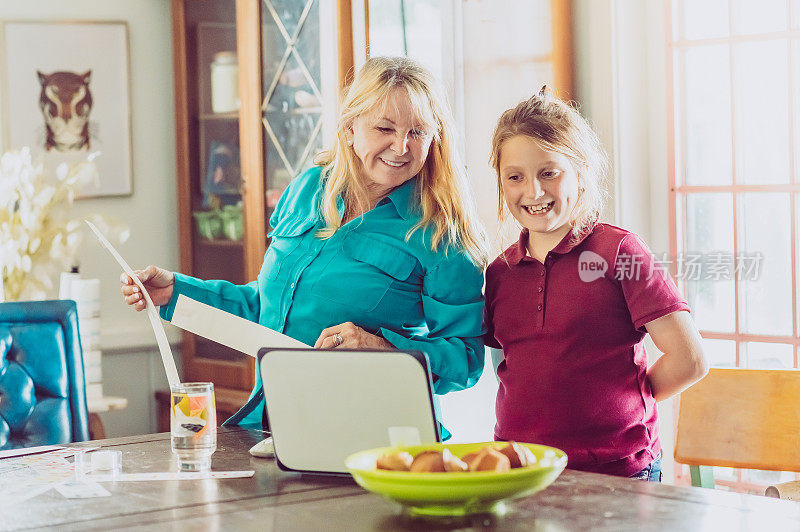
x: 131, y: 368
x: 621, y: 80
x: 499, y: 39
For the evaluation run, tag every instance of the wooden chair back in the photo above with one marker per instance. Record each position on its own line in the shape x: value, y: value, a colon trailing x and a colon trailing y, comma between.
x: 746, y: 418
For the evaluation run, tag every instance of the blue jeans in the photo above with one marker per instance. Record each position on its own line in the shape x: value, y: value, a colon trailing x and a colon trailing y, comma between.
x: 651, y: 473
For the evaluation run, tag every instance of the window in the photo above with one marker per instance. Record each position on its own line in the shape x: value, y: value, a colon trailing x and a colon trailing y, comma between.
x: 734, y: 67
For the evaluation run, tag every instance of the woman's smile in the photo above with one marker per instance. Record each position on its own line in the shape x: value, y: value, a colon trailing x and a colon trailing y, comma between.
x: 391, y: 143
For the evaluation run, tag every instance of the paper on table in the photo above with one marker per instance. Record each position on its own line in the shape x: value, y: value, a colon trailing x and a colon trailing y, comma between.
x: 75, y: 489
x: 9, y: 453
x: 169, y: 475
x: 152, y: 313
x: 230, y: 330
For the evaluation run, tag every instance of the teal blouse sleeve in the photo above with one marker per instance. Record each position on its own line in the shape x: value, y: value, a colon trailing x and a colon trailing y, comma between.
x: 452, y: 303
x: 241, y: 300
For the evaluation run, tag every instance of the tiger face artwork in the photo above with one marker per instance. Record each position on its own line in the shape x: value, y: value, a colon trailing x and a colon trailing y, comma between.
x: 65, y: 102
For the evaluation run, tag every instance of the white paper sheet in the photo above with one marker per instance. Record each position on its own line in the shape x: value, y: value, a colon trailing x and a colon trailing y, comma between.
x: 76, y: 489
x: 152, y: 313
x: 9, y: 453
x: 169, y: 475
x: 24, y: 477
x: 225, y: 328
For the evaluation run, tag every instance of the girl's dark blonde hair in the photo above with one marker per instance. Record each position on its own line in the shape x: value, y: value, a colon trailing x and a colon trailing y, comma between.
x: 558, y: 127
x: 442, y: 185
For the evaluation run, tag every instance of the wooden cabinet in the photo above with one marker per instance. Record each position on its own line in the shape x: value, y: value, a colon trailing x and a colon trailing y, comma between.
x: 256, y: 82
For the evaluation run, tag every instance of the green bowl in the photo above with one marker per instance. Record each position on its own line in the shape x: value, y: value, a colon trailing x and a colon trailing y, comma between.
x: 450, y: 494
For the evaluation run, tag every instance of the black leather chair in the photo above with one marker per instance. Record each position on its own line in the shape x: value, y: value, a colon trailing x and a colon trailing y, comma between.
x: 42, y: 387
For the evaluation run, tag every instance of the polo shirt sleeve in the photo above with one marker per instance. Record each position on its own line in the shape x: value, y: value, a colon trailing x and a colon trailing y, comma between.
x: 649, y: 291
x: 488, y: 317
x: 453, y: 305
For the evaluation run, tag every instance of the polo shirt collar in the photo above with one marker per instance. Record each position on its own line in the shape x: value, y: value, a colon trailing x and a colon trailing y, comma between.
x: 519, y: 250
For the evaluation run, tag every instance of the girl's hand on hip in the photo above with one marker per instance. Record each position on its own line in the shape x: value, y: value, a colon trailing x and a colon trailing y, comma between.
x: 350, y: 336
x: 158, y: 282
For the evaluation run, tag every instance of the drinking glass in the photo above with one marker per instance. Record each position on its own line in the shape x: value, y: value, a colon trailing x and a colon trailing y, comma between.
x: 193, y: 424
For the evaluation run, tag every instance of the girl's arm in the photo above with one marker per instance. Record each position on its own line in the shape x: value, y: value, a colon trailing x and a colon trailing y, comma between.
x: 682, y: 363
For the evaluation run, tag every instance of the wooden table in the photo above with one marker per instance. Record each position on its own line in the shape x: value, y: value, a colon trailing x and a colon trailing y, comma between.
x: 274, y: 500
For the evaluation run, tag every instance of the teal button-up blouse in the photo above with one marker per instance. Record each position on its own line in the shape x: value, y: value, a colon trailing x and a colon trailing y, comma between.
x: 366, y: 273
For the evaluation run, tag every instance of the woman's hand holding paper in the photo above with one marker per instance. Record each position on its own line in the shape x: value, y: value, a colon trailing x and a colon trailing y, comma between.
x: 158, y: 282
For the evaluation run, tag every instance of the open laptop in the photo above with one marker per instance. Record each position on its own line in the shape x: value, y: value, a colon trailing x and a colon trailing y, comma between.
x: 323, y: 406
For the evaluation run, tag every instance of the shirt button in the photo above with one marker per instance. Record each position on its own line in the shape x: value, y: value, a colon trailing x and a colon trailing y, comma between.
x: 541, y: 273
x: 540, y: 289
x: 539, y: 307
x: 292, y: 286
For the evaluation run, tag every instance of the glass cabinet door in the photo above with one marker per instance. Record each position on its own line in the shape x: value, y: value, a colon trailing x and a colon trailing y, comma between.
x: 255, y: 82
x: 212, y: 158
x: 292, y: 105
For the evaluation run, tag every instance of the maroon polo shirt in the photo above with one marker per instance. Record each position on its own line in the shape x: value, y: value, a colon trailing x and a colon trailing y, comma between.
x: 572, y: 330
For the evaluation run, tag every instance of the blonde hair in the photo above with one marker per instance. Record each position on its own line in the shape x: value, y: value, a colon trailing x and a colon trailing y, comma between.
x: 558, y: 127
x: 442, y: 185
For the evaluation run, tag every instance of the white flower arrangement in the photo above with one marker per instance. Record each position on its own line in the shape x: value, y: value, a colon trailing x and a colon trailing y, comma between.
x: 38, y: 239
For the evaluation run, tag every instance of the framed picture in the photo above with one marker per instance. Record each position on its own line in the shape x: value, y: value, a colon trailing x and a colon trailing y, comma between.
x: 66, y: 94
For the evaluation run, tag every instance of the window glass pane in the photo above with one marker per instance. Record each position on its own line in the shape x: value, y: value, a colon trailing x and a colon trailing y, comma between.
x: 386, y: 31
x: 765, y: 280
x: 796, y: 199
x: 410, y: 28
x: 424, y: 33
x: 703, y: 19
x: 795, y: 14
x: 763, y: 355
x: 762, y: 16
x: 708, y: 231
x: 724, y: 473
x: 762, y: 123
x: 766, y: 478
x: 707, y: 139
x: 796, y: 102
x: 720, y: 353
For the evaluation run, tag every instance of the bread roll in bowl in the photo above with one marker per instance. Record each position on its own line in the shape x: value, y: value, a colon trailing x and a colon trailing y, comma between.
x: 400, y: 461
x: 518, y: 455
x: 489, y: 459
x: 437, y: 462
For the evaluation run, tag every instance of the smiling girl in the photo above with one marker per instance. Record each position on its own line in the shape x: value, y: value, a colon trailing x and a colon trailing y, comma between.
x: 571, y: 302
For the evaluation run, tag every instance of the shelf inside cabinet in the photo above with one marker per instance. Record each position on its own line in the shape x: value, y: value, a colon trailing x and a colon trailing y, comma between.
x: 232, y: 116
x: 221, y: 243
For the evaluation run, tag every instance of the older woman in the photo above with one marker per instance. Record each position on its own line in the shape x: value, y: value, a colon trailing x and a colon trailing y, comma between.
x: 376, y: 247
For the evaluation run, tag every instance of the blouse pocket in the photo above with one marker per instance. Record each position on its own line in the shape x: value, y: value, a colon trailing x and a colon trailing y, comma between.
x: 284, y: 241
x: 365, y: 272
